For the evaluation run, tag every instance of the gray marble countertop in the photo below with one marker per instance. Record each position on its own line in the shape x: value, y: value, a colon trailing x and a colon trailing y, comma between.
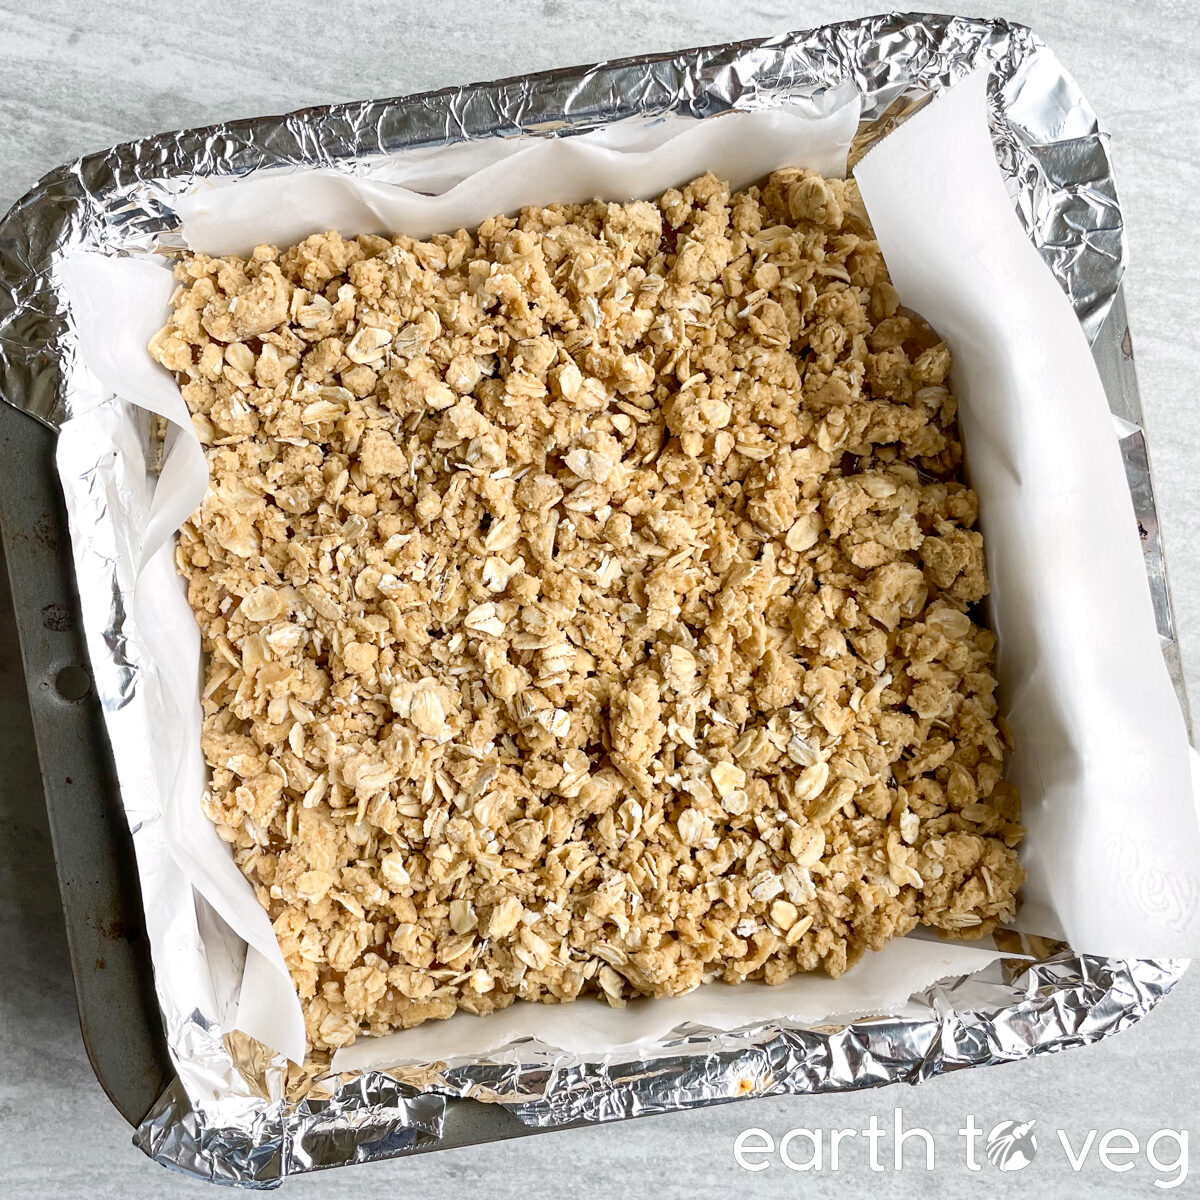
x: 75, y: 78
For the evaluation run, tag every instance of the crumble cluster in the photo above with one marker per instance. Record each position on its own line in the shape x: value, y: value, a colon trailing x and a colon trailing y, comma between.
x: 588, y: 605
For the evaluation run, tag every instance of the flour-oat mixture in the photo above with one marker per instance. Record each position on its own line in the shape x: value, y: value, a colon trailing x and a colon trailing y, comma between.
x: 588, y: 605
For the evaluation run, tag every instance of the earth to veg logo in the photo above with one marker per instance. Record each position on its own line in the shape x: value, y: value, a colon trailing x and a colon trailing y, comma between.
x: 1011, y: 1146
x: 1008, y: 1146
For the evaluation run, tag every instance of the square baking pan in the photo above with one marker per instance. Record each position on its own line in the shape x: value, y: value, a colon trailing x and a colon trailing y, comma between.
x: 119, y: 1014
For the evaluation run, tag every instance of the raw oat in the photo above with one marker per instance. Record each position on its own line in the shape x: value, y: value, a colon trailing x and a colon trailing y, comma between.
x: 588, y: 605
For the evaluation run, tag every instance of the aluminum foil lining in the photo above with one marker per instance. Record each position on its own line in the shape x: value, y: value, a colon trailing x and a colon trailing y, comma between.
x: 251, y: 1130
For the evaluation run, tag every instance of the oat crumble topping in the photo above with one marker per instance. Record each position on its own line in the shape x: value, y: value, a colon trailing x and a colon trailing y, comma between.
x: 588, y: 605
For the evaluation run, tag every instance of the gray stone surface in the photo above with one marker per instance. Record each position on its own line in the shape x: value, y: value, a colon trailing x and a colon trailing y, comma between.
x: 75, y: 78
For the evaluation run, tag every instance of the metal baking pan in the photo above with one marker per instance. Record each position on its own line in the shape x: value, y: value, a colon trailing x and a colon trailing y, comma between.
x: 92, y: 845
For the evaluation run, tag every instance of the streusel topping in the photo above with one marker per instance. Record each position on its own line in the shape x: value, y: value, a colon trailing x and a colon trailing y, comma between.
x: 588, y: 604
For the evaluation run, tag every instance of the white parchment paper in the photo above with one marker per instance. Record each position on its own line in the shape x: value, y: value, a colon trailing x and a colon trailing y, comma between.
x: 1100, y: 739
x: 1113, y: 851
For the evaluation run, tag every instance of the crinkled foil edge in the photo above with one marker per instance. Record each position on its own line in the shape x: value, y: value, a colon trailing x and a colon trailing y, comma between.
x: 1054, y: 156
